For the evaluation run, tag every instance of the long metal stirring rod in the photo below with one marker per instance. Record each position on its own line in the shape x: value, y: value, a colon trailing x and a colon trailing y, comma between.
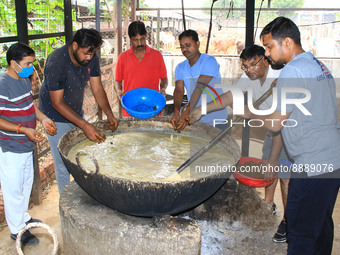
x: 224, y: 132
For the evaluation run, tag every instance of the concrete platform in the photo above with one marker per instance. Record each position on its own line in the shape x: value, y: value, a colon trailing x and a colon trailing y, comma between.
x: 89, y: 227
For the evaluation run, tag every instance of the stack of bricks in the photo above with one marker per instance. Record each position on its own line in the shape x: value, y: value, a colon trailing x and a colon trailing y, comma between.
x: 46, y: 169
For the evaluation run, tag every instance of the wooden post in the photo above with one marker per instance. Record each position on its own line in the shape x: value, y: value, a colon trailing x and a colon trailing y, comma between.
x: 36, y: 190
x: 97, y: 8
x: 119, y: 38
x: 158, y: 27
x: 119, y: 27
x: 133, y: 10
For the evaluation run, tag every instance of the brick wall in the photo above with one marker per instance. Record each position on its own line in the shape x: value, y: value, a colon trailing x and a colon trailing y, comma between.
x: 90, y: 106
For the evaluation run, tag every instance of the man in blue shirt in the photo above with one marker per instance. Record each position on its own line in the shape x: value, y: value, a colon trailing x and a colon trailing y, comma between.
x: 197, y: 73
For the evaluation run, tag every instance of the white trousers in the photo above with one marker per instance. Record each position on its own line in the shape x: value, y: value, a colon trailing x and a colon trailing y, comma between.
x: 16, y: 176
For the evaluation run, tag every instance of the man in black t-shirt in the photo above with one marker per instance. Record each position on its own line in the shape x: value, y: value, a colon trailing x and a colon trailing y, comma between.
x: 67, y: 71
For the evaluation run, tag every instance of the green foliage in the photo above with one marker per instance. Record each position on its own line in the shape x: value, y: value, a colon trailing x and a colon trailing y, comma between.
x: 104, y: 5
x: 44, y: 16
x: 108, y: 4
x: 226, y: 5
x: 284, y: 4
x: 7, y: 18
x: 7, y: 28
x: 265, y: 16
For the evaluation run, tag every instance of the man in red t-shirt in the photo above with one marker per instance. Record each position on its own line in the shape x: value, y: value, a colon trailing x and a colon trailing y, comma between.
x: 140, y: 66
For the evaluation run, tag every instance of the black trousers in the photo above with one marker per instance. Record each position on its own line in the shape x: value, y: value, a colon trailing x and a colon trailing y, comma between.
x: 309, y: 213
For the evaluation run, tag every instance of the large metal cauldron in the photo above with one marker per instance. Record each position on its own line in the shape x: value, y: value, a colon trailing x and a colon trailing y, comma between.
x: 143, y: 198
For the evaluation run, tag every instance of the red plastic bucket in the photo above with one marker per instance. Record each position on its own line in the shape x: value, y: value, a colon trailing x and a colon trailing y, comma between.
x: 249, y: 181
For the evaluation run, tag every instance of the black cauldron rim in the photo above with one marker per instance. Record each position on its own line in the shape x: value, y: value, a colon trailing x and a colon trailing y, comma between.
x: 109, y: 132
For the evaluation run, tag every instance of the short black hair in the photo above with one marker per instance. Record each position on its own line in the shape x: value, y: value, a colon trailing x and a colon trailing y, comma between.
x: 252, y: 51
x: 88, y: 38
x: 136, y: 28
x: 18, y: 51
x: 189, y: 33
x: 280, y: 28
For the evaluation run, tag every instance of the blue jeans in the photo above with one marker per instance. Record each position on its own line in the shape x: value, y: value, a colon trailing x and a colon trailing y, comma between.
x: 61, y: 173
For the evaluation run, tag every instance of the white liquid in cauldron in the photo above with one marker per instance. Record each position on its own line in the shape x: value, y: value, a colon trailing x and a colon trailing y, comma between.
x: 151, y: 156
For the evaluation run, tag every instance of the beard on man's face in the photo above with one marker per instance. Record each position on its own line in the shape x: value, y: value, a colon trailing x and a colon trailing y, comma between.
x: 82, y: 63
x: 276, y: 65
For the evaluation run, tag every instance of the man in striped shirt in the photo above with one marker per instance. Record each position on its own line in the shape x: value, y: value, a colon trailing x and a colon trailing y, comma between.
x: 18, y: 116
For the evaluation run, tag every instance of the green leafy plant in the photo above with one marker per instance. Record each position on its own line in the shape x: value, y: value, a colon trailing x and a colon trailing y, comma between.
x: 44, y: 16
x: 265, y: 16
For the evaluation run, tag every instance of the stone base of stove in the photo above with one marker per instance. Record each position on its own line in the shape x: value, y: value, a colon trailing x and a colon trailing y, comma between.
x: 89, y: 227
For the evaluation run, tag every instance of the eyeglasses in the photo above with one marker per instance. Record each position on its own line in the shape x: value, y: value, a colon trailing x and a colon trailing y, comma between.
x: 244, y: 67
x: 89, y: 52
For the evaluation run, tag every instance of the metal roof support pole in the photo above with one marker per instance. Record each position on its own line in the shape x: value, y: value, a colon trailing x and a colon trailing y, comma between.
x: 21, y: 17
x: 97, y: 6
x: 183, y: 16
x: 68, y: 20
x: 250, y: 22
